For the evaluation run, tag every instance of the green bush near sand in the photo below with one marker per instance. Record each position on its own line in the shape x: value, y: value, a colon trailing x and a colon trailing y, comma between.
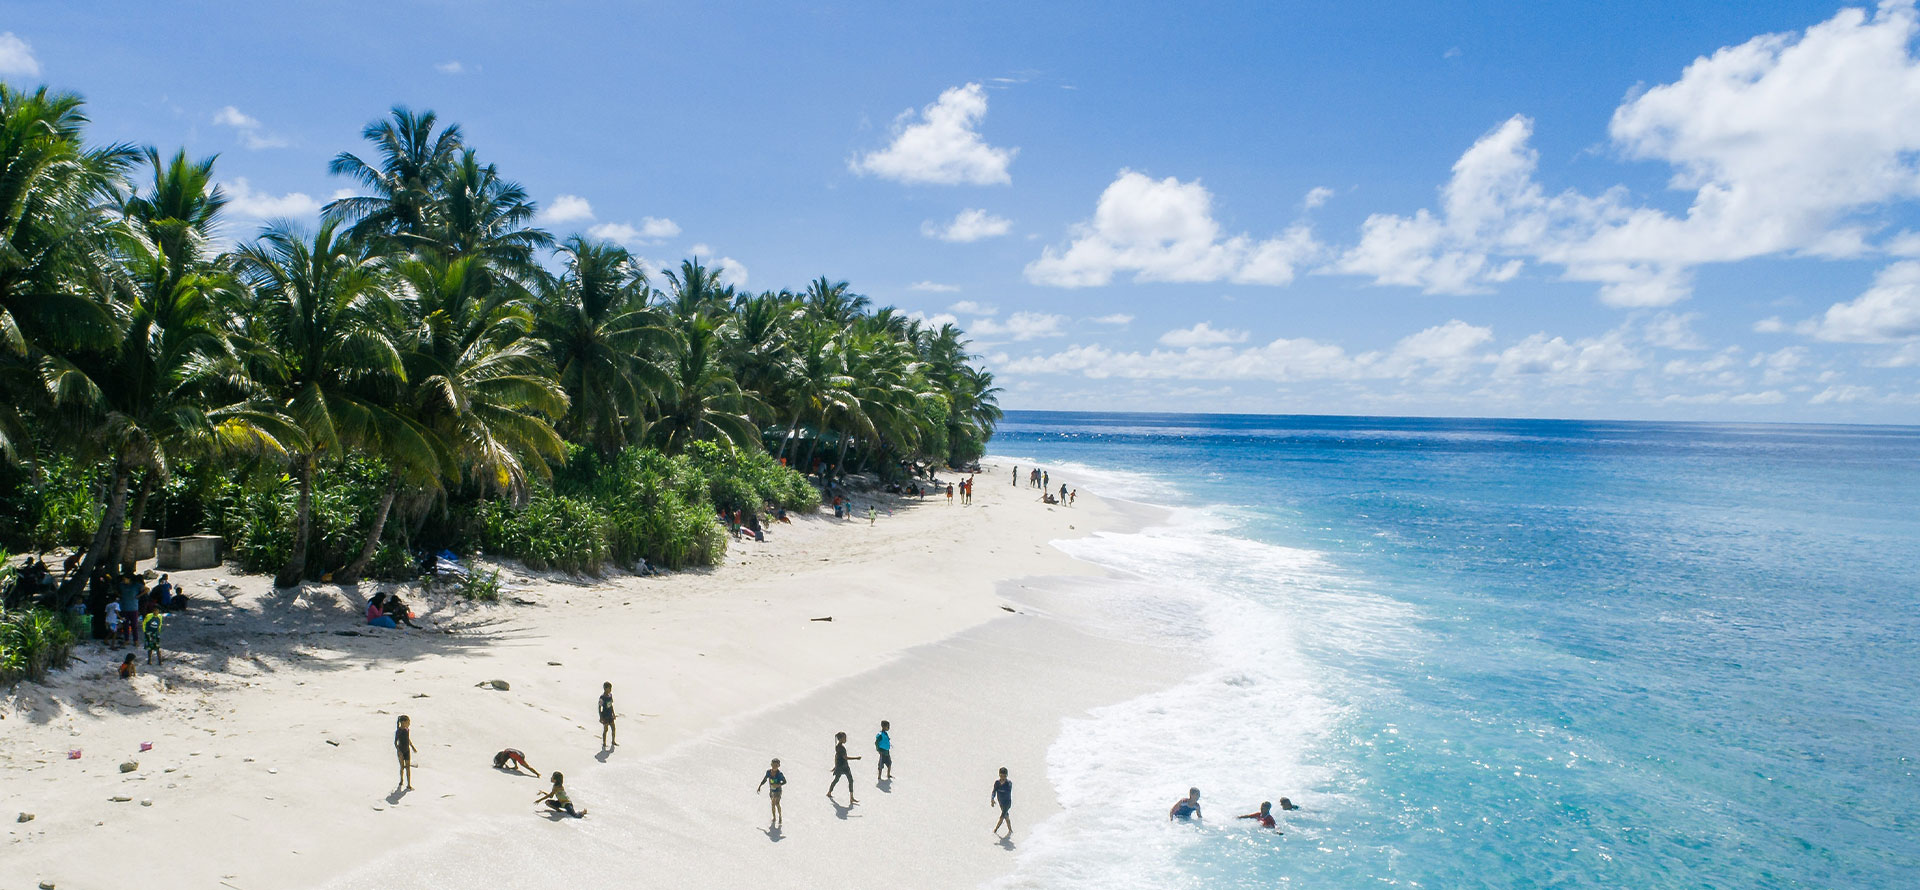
x: 32, y: 643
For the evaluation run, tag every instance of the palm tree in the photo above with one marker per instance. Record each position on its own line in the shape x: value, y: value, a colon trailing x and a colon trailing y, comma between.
x: 407, y: 177
x: 595, y: 321
x: 169, y: 387
x: 55, y: 249
x: 705, y: 402
x: 481, y: 214
x: 321, y: 322
x: 475, y: 377
x: 832, y: 302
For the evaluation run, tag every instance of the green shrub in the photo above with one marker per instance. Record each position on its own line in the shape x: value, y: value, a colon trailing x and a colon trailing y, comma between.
x: 32, y: 643
x: 550, y: 532
x: 62, y: 504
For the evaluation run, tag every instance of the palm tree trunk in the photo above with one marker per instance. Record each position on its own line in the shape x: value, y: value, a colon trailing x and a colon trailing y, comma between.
x: 71, y: 588
x: 351, y: 574
x: 840, y: 460
x: 136, y: 515
x: 813, y: 442
x: 793, y: 426
x: 296, y: 566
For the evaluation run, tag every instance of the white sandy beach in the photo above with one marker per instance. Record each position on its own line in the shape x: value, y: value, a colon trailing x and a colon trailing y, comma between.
x: 272, y: 762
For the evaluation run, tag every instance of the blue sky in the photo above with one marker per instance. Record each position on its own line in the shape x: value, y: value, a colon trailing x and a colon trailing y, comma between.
x: 1531, y: 209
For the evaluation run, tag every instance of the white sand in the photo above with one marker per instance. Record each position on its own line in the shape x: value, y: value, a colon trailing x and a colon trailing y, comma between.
x: 272, y: 763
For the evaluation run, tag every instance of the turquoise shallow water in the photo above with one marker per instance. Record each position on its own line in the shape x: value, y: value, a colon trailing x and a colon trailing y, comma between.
x: 1500, y: 653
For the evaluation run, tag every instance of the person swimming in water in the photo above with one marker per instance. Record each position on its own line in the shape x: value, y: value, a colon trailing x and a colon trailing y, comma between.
x: 1187, y: 807
x: 1264, y: 816
x: 1286, y: 804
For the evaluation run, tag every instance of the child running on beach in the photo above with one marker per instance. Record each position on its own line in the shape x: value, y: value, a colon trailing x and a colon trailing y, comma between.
x: 403, y: 747
x: 883, y: 743
x: 556, y: 798
x: 773, y: 781
x: 1003, y: 795
x: 609, y: 737
x: 840, y: 766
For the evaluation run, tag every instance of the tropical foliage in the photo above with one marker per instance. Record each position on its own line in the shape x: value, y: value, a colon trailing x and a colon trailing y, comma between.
x: 421, y: 367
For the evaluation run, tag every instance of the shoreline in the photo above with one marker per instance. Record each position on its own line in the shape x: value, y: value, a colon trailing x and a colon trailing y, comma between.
x: 274, y: 740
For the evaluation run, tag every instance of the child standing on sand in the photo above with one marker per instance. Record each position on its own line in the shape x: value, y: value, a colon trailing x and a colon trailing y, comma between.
x: 609, y: 737
x: 403, y: 747
x: 1002, y: 794
x: 150, y: 631
x: 773, y: 781
x: 841, y: 767
x: 883, y: 743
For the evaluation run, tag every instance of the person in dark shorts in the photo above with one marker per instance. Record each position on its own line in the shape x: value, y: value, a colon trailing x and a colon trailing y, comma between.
x: 556, y: 798
x: 512, y: 759
x: 609, y: 737
x: 840, y: 766
x: 773, y: 781
x: 1003, y: 795
x: 883, y: 743
x: 404, y: 748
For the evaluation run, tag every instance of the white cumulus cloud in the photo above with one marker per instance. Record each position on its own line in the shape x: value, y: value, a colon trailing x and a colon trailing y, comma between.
x: 252, y: 134
x: 1202, y: 334
x: 933, y: 287
x: 940, y: 145
x: 969, y: 307
x: 651, y: 230
x: 244, y: 202
x: 1164, y: 230
x: 567, y: 208
x: 1786, y: 144
x: 968, y: 226
x: 731, y: 271
x: 1888, y: 311
x: 16, y: 56
x: 1020, y: 326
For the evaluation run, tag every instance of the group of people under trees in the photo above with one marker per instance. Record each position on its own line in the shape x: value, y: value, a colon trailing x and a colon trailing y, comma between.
x: 119, y: 608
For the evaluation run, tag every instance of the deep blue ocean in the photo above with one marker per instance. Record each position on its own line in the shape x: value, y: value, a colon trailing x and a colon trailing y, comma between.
x: 1498, y: 653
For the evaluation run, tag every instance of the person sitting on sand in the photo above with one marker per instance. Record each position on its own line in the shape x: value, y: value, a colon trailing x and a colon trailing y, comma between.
x: 1264, y: 816
x: 556, y: 798
x: 1002, y: 794
x: 1187, y: 807
x: 377, y: 612
x: 773, y: 781
x: 841, y: 767
x: 398, y: 610
x: 512, y: 759
x: 128, y: 669
x: 404, y: 748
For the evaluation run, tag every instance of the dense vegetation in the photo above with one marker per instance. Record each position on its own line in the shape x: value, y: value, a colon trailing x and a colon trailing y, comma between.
x: 419, y: 368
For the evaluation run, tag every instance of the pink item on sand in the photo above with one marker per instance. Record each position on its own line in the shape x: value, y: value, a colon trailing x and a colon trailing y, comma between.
x: 145, y: 747
x: 73, y: 754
